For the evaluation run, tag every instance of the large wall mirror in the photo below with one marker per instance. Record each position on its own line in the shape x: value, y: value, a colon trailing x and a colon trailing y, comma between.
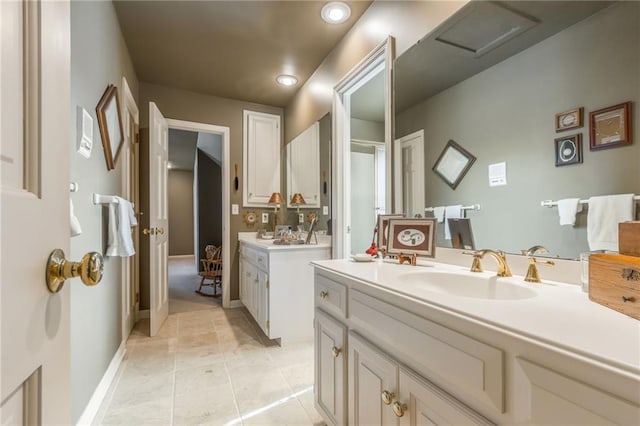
x: 492, y: 79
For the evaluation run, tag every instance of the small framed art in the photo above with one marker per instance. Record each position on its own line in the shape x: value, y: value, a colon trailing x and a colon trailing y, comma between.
x: 610, y: 127
x: 571, y: 119
x: 110, y: 125
x: 454, y: 162
x: 383, y: 228
x: 409, y: 236
x: 568, y: 150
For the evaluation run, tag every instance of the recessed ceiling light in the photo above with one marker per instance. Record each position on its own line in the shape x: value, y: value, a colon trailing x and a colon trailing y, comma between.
x: 286, y: 80
x: 336, y: 12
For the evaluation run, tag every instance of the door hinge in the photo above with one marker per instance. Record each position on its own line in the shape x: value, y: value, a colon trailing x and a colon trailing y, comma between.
x: 267, y: 283
x: 137, y: 297
x: 268, y: 324
x: 136, y: 139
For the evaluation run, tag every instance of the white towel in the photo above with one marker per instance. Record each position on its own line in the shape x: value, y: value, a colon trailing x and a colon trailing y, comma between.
x: 438, y: 213
x: 121, y: 219
x: 567, y: 209
x: 451, y: 212
x: 74, y: 223
x: 602, y: 220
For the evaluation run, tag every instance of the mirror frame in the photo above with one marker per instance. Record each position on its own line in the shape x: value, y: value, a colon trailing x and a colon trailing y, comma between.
x: 382, y: 55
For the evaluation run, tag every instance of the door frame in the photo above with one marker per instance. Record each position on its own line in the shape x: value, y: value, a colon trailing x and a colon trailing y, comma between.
x: 131, y: 179
x: 226, y: 196
x: 397, y: 169
x: 380, y: 58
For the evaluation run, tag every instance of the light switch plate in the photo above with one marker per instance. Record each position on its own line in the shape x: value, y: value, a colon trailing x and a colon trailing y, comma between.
x: 300, y: 217
x: 325, y: 210
x: 265, y: 217
x: 235, y: 209
x: 85, y: 132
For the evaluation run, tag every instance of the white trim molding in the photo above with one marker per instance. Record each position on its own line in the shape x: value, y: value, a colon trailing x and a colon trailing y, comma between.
x: 90, y: 411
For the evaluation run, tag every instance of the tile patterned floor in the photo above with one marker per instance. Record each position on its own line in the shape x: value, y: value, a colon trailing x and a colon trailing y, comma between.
x: 211, y: 367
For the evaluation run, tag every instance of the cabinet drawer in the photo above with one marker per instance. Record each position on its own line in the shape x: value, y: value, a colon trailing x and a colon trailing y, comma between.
x: 248, y: 253
x: 452, y: 360
x: 614, y: 281
x: 331, y: 296
x: 262, y: 261
x: 558, y: 399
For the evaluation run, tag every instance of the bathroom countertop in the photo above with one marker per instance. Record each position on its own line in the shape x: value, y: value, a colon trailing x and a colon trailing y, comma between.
x: 559, y: 315
x: 249, y: 238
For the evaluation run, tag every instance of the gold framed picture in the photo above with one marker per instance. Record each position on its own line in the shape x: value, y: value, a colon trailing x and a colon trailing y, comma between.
x: 110, y: 124
x: 571, y: 119
x: 610, y: 127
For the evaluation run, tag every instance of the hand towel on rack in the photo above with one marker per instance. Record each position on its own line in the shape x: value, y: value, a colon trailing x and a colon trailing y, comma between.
x: 602, y: 220
x: 451, y: 212
x: 567, y: 209
x: 438, y: 213
x: 74, y: 223
x: 121, y: 220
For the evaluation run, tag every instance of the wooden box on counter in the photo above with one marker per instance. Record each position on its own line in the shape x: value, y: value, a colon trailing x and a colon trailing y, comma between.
x: 629, y: 238
x: 614, y: 281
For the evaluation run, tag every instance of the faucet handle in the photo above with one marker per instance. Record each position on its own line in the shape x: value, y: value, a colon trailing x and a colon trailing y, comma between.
x: 476, y: 266
x: 532, y: 272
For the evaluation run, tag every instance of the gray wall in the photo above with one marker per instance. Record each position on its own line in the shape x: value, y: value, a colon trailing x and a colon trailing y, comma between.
x: 506, y: 113
x: 372, y: 131
x: 190, y: 106
x: 99, y: 56
x: 180, y: 192
x: 209, y: 203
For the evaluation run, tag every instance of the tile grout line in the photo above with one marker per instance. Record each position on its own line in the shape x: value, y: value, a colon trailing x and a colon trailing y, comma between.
x: 233, y: 391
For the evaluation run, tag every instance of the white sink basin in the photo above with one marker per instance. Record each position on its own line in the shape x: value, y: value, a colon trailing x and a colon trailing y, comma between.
x: 463, y: 285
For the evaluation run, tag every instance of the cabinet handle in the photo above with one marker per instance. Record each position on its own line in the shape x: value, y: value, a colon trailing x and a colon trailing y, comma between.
x: 336, y: 352
x: 399, y: 409
x: 388, y: 397
x: 626, y: 299
x: 324, y: 294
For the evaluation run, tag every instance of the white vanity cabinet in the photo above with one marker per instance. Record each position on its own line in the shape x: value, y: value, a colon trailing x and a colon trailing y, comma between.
x: 412, y: 363
x: 276, y: 286
x: 261, y: 157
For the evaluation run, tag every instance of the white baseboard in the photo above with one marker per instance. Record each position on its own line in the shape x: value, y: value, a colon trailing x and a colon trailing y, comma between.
x: 146, y: 313
x: 235, y: 304
x: 181, y: 256
x: 90, y: 411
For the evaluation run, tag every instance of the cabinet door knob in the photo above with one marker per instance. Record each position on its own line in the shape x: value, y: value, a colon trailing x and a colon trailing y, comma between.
x: 336, y: 352
x: 399, y: 409
x: 388, y: 397
x: 626, y: 299
x: 324, y: 294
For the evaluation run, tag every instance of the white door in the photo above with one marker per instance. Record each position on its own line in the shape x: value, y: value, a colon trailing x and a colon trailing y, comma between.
x: 363, y: 201
x: 409, y: 174
x: 34, y: 188
x: 158, y: 219
x: 373, y: 384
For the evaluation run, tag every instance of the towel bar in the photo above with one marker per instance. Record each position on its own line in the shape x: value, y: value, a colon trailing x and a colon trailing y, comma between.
x: 471, y: 207
x: 550, y: 203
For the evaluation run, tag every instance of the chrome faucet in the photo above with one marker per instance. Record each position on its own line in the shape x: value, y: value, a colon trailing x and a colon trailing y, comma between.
x: 499, y: 256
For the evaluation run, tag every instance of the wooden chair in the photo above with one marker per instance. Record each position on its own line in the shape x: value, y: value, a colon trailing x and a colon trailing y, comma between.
x: 212, y: 271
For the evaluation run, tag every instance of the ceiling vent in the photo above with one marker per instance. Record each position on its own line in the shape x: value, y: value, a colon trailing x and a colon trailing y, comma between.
x: 484, y: 27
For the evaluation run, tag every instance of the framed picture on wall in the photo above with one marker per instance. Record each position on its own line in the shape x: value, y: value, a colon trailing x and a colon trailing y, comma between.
x: 610, y: 127
x: 568, y: 150
x: 454, y: 162
x: 110, y: 124
x: 409, y: 236
x: 571, y: 119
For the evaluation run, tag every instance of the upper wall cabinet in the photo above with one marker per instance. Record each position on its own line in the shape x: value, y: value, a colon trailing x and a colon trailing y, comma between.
x: 261, y: 158
x: 303, y: 167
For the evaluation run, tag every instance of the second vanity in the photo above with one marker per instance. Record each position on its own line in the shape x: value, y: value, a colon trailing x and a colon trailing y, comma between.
x: 437, y: 344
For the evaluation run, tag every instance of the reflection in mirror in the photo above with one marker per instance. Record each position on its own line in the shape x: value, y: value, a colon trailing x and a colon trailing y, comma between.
x: 368, y: 161
x: 498, y: 100
x: 309, y: 173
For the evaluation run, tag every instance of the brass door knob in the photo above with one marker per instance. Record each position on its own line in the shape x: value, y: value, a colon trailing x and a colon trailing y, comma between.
x: 89, y: 269
x: 160, y: 231
x: 149, y: 231
x: 388, y: 397
x: 336, y: 352
x: 399, y: 409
